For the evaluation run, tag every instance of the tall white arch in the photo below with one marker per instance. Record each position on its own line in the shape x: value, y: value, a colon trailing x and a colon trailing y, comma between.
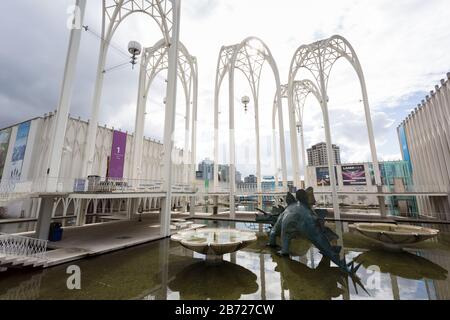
x: 154, y: 60
x: 319, y: 58
x: 302, y: 89
x: 249, y: 57
x: 114, y: 12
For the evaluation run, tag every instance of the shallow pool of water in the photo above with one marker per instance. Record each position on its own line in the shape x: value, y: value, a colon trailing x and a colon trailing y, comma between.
x: 166, y: 270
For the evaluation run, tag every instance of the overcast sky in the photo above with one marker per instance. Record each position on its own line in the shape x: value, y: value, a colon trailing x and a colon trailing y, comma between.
x: 403, y: 47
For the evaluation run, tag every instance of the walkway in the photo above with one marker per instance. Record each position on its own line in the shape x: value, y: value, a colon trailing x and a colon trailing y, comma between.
x: 96, y: 239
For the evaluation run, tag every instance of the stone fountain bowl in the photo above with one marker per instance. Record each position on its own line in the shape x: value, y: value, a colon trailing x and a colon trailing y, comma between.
x: 217, y: 242
x: 393, y: 236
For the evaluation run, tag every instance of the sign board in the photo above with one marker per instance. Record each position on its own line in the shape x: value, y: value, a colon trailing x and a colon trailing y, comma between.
x: 117, y: 160
x: 323, y: 176
x: 354, y: 175
x: 20, y: 146
x: 5, y: 136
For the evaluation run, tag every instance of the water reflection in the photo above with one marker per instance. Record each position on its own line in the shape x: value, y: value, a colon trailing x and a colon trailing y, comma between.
x: 304, y: 283
x: 201, y: 281
x: 166, y: 270
x: 403, y: 264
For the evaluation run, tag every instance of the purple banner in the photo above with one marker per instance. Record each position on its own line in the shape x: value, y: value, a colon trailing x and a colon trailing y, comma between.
x: 117, y: 161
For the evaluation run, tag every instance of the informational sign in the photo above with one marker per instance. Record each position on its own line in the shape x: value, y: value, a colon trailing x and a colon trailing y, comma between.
x: 5, y: 136
x: 20, y: 146
x: 354, y: 175
x: 117, y: 161
x: 323, y: 176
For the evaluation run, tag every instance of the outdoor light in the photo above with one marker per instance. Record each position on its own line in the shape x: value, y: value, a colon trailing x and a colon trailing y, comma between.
x: 135, y: 49
x: 299, y: 126
x: 245, y: 101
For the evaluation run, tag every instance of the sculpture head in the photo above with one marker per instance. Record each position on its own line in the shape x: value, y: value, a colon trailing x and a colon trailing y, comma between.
x: 311, y: 198
x: 306, y: 197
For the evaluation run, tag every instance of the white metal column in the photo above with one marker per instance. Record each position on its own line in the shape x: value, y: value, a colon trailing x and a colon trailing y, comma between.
x: 232, y: 145
x: 138, y: 138
x: 62, y: 114
x: 169, y: 123
x: 330, y: 155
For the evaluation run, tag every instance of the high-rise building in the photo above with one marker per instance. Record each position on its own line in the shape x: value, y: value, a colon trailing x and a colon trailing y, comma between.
x: 238, y: 177
x: 317, y: 155
x: 251, y: 179
x: 206, y: 170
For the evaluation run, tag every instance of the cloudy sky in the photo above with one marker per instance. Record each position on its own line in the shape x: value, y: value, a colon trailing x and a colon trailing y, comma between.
x: 403, y: 47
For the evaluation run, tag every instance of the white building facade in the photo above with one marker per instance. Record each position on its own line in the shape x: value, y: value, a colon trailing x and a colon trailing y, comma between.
x: 24, y: 160
x: 425, y: 141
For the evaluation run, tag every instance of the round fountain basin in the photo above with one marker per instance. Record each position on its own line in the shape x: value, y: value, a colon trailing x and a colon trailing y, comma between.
x: 394, y: 236
x: 214, y: 242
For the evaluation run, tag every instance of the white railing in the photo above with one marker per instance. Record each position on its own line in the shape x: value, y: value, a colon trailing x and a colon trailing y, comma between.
x: 184, y: 188
x: 12, y: 245
x: 420, y: 189
x: 14, y: 189
x: 248, y: 189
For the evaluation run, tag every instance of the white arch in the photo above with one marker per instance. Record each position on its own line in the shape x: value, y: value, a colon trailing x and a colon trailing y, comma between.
x: 319, y: 58
x: 155, y: 60
x: 249, y: 59
x: 114, y: 12
x: 302, y: 89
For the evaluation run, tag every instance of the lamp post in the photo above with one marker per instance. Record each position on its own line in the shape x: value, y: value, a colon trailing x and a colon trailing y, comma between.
x: 135, y: 49
x: 245, y: 101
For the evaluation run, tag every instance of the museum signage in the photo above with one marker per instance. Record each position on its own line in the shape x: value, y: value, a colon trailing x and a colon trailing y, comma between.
x: 323, y: 176
x: 20, y: 146
x: 117, y: 160
x: 5, y: 136
x: 354, y: 175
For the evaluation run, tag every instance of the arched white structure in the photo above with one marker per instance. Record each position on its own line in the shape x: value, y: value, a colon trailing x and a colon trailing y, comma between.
x: 166, y: 13
x: 302, y: 89
x: 155, y: 60
x: 319, y: 58
x: 114, y: 12
x: 249, y: 57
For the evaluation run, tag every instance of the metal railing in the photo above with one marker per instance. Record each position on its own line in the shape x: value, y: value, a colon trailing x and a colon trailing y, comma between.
x: 15, y: 189
x: 12, y: 245
x: 247, y: 189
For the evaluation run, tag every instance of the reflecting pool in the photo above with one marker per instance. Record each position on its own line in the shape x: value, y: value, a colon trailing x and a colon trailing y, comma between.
x: 166, y: 270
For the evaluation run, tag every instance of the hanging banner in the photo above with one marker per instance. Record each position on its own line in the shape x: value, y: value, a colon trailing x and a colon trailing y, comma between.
x: 20, y: 146
x: 5, y: 136
x: 117, y: 161
x: 323, y: 176
x: 354, y: 175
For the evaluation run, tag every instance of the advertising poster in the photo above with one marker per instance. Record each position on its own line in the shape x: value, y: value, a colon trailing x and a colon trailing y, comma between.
x: 323, y: 176
x: 5, y: 136
x: 117, y: 160
x: 20, y: 147
x: 354, y: 175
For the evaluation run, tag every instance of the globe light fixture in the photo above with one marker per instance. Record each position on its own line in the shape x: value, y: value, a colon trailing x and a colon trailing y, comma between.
x: 299, y: 126
x: 245, y: 101
x: 135, y: 49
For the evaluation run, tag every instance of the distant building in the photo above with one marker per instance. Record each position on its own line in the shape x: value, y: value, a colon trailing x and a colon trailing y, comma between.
x: 251, y: 179
x: 317, y: 155
x: 238, y: 177
x: 356, y: 182
x: 205, y: 170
